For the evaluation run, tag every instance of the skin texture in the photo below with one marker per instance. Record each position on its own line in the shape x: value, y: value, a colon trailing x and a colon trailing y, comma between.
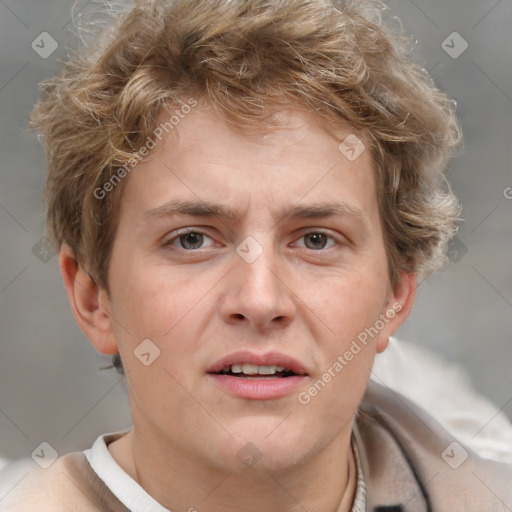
x: 298, y: 297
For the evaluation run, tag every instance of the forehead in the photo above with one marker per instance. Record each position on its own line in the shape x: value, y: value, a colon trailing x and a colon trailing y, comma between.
x: 205, y: 158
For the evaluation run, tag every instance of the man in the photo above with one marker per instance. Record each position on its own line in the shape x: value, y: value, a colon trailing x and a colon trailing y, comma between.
x: 244, y: 195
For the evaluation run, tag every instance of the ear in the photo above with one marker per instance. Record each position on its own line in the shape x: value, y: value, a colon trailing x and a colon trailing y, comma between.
x: 397, y: 309
x: 89, y: 303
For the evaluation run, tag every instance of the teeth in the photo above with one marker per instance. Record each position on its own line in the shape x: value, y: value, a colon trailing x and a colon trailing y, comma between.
x: 250, y: 369
x: 267, y: 370
x: 254, y: 369
x: 236, y: 368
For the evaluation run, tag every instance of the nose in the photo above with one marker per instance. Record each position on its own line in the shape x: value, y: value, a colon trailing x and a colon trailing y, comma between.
x: 256, y: 294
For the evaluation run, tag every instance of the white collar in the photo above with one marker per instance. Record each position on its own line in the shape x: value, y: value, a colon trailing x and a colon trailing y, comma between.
x: 134, y: 497
x: 123, y: 486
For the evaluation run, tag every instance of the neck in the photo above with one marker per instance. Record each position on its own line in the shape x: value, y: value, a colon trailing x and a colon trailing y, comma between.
x: 179, y: 482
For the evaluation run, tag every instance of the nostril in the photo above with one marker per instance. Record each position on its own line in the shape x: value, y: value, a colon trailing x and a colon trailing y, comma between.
x: 239, y: 316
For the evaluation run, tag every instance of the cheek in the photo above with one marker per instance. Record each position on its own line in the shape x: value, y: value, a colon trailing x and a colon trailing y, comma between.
x: 346, y: 303
x: 152, y: 303
x: 347, y: 347
x: 170, y: 309
x: 153, y: 309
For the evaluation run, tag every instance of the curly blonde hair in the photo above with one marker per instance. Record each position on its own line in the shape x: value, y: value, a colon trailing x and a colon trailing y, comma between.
x: 245, y: 58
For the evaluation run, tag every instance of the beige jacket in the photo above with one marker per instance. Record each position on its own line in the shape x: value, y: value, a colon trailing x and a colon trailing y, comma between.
x: 410, y: 464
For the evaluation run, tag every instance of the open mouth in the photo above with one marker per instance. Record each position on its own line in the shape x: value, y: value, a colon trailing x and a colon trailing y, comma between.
x: 252, y: 371
x: 251, y: 376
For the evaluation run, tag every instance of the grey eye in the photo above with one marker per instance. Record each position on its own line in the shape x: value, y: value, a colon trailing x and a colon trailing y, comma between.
x: 191, y: 240
x: 315, y: 240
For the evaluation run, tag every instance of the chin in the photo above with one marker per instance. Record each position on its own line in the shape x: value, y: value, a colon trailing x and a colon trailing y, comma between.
x: 266, y: 445
x: 264, y: 459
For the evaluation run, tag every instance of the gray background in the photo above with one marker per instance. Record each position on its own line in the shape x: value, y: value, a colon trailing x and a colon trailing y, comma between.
x: 51, y: 385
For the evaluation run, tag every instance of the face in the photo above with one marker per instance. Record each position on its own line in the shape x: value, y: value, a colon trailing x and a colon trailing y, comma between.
x: 238, y: 254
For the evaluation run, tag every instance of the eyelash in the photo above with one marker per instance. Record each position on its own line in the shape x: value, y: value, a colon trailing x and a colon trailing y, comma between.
x: 180, y: 234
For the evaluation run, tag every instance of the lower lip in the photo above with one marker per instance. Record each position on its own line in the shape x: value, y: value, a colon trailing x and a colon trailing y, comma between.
x: 258, y: 389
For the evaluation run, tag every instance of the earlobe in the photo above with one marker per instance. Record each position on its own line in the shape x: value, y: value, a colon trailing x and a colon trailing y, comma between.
x: 90, y: 312
x: 398, y: 308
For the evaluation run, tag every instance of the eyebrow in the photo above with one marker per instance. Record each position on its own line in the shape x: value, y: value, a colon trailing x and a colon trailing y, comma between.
x: 195, y: 208
x: 224, y: 212
x: 315, y: 211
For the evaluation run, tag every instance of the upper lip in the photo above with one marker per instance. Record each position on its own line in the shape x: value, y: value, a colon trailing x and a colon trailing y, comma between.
x: 267, y: 359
